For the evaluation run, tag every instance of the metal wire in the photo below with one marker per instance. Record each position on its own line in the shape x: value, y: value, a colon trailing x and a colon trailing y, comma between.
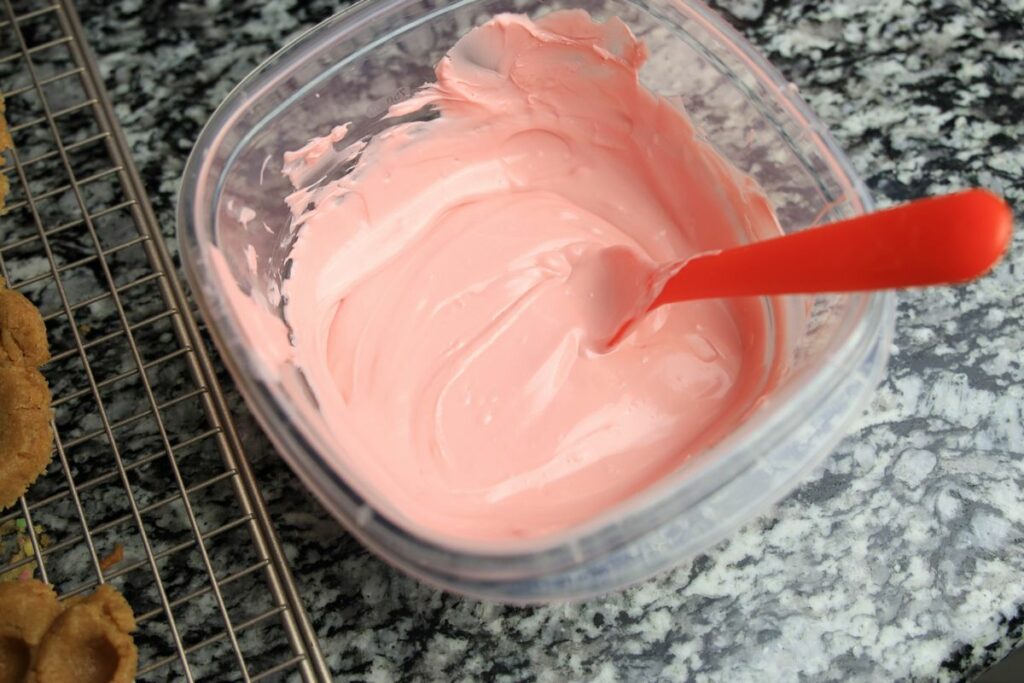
x: 124, y: 462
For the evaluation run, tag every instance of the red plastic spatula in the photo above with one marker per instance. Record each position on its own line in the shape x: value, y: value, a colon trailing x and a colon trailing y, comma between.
x: 941, y: 240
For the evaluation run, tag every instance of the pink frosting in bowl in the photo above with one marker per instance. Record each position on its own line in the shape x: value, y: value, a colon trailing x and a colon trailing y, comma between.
x: 439, y: 311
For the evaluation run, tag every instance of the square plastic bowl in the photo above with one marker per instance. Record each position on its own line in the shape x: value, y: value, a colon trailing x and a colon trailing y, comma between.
x: 352, y: 68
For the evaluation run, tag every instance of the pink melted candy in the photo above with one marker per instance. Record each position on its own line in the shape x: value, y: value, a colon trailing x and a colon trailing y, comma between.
x: 441, y: 314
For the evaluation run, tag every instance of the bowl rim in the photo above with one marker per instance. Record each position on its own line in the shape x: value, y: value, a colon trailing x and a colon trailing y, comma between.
x: 460, y: 557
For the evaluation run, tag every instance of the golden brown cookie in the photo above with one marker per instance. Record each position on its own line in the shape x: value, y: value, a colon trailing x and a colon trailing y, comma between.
x: 22, y: 331
x: 27, y: 610
x: 89, y: 643
x: 25, y: 436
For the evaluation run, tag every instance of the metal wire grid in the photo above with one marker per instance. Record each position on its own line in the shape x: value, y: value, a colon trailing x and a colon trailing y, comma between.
x: 147, y: 457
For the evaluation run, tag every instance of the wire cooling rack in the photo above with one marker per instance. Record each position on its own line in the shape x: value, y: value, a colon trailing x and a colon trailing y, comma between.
x: 148, y: 489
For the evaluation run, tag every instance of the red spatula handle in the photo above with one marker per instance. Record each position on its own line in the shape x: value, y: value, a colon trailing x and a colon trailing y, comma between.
x: 941, y: 240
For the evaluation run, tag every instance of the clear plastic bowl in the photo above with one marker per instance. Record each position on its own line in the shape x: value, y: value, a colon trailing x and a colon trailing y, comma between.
x: 351, y: 68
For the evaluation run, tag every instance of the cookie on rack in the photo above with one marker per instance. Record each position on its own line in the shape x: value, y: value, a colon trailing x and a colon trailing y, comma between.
x: 87, y: 640
x: 90, y: 642
x: 25, y: 435
x: 27, y: 610
x: 22, y: 331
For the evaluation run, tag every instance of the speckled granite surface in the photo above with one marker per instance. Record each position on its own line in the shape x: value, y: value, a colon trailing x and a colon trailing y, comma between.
x: 902, y: 559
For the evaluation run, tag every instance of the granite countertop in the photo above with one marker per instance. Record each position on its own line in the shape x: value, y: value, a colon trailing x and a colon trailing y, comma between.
x: 903, y: 558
